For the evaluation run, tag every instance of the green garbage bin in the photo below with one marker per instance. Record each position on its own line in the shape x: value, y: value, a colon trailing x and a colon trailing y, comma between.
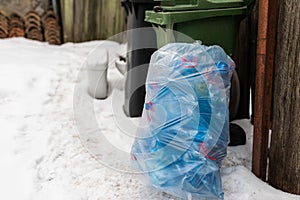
x: 210, y: 21
x: 213, y: 22
x: 201, y: 4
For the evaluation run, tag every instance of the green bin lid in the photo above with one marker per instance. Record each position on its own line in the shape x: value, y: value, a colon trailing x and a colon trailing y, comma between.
x: 172, y: 17
x: 177, y: 5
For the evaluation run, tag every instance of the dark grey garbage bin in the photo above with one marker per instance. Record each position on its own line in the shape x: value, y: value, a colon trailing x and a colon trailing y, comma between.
x: 141, y: 44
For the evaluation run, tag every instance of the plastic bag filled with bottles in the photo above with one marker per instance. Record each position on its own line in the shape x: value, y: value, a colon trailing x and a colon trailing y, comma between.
x: 184, y: 129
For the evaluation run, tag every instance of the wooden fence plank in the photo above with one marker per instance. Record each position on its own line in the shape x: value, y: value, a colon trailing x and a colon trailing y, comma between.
x: 67, y: 18
x: 92, y: 20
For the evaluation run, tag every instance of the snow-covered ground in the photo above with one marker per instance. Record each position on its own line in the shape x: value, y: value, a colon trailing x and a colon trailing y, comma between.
x: 57, y: 143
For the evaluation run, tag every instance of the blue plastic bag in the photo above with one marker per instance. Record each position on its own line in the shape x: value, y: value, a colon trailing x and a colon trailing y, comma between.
x: 184, y: 129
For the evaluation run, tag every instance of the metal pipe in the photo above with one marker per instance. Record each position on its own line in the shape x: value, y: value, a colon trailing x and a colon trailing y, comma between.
x: 55, y: 6
x: 267, y: 20
x: 258, y: 137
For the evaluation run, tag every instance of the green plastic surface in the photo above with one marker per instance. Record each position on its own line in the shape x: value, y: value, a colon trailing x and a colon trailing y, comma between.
x: 179, y: 5
x: 212, y: 27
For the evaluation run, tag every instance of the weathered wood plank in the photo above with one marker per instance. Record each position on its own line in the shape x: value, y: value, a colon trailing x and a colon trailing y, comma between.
x: 67, y: 18
x: 284, y: 171
x: 78, y: 20
x: 92, y: 20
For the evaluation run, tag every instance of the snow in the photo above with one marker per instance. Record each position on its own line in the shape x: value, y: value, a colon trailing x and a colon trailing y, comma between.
x: 57, y: 143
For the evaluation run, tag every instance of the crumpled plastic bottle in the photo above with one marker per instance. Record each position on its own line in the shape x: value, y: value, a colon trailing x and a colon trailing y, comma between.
x: 185, y: 123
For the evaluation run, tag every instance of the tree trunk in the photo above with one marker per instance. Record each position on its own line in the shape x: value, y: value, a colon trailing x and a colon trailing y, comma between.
x: 284, y: 169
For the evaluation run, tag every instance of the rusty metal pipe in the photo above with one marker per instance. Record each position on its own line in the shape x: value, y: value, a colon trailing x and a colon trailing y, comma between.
x: 257, y: 163
x: 267, y: 20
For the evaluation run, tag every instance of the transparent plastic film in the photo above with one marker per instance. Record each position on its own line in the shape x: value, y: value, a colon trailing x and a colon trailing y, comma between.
x: 185, y: 123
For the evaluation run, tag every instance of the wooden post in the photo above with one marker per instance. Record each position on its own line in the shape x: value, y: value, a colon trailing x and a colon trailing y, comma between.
x: 284, y: 170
